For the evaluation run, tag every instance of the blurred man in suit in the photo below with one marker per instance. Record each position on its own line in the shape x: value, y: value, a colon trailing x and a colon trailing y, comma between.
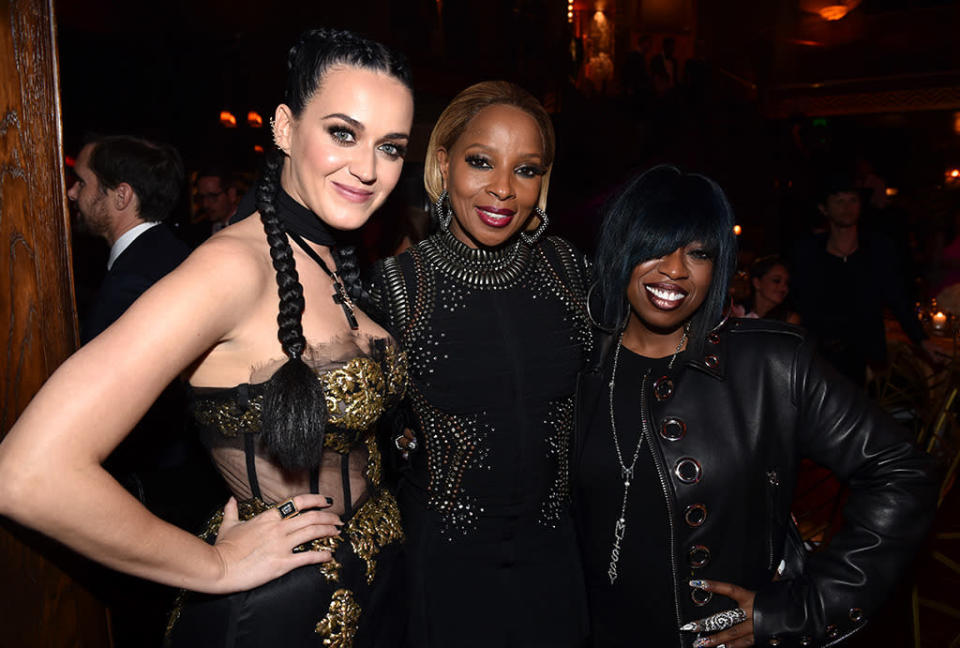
x: 125, y: 189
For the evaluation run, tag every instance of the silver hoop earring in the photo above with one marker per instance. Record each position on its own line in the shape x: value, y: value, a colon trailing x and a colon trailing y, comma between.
x: 531, y: 239
x: 594, y: 320
x: 442, y: 210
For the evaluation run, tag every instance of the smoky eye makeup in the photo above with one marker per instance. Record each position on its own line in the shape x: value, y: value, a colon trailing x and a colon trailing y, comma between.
x: 394, y: 150
x: 342, y: 134
x: 477, y: 161
x: 530, y: 170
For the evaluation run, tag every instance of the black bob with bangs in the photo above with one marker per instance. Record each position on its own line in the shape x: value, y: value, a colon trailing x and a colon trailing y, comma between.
x: 654, y: 214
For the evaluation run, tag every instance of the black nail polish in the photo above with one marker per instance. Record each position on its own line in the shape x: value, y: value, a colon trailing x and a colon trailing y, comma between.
x: 329, y: 501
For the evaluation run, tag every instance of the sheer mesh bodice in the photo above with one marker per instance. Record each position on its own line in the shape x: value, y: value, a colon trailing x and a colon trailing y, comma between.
x: 358, y: 385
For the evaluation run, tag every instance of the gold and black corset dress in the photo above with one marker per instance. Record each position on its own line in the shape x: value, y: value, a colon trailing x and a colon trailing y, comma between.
x: 351, y: 601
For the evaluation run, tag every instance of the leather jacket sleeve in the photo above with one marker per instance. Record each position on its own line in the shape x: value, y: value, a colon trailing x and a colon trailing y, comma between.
x: 891, y: 503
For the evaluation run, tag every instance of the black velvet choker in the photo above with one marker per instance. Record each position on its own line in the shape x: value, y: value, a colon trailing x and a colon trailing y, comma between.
x: 297, y: 219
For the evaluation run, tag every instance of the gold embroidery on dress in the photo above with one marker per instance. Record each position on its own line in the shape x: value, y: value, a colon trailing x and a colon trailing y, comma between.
x: 339, y: 627
x: 373, y: 527
x: 374, y: 461
x: 228, y: 417
x: 356, y: 395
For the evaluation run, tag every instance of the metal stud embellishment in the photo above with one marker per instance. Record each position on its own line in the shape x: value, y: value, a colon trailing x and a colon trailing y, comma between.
x: 663, y: 388
x: 856, y: 615
x: 713, y: 338
x: 687, y: 470
x: 832, y: 631
x: 672, y: 429
x: 711, y: 361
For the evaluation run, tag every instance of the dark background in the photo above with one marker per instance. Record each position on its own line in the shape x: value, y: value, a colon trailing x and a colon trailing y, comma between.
x: 774, y: 91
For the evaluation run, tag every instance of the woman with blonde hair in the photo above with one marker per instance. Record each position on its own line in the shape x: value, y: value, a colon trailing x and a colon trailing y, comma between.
x: 490, y: 312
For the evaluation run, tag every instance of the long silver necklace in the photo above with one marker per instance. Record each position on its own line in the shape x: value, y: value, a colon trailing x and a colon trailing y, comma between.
x: 620, y: 529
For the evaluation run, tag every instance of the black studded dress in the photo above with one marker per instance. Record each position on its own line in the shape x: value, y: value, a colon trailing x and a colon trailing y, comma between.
x: 495, y: 339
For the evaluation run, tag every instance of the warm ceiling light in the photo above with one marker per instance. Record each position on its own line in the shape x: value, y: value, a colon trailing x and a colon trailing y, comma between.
x: 955, y: 173
x: 254, y: 120
x: 227, y: 119
x: 892, y: 191
x: 737, y: 230
x: 834, y: 12
x: 257, y: 148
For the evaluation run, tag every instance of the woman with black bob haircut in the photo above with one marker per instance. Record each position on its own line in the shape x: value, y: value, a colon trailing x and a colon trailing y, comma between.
x: 286, y: 395
x: 689, y: 432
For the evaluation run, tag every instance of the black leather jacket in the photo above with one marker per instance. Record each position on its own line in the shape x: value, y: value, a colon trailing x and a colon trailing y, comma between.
x: 727, y: 430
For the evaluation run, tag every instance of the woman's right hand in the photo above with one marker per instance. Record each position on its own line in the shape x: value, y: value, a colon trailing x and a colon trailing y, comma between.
x: 259, y: 550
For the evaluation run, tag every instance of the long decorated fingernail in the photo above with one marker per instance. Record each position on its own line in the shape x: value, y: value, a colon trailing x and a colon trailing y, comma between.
x: 700, y: 584
x: 702, y: 641
x: 688, y: 627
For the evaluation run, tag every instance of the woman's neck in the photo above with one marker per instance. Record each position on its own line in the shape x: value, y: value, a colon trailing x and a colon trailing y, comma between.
x: 762, y: 305
x: 650, y: 342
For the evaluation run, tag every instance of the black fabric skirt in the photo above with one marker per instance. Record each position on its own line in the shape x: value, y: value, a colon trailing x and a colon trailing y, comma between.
x: 513, y: 584
x: 302, y: 609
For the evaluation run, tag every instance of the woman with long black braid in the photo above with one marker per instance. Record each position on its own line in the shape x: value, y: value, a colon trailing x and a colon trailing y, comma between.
x: 302, y: 554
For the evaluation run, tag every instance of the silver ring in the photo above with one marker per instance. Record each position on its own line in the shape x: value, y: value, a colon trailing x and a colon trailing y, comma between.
x: 717, y: 622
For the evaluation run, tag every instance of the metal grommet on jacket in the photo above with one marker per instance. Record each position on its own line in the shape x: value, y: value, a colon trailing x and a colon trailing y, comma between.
x: 695, y: 515
x: 687, y: 470
x: 673, y: 429
x: 698, y: 556
x: 700, y: 597
x: 663, y: 388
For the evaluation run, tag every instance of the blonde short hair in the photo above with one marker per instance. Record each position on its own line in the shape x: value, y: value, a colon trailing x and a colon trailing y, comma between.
x: 458, y: 113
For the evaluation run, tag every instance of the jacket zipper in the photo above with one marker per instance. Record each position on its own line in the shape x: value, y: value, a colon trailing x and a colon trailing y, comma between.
x: 645, y: 429
x: 773, y: 484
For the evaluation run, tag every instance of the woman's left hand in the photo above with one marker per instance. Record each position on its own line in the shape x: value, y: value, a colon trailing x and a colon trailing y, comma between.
x: 740, y: 634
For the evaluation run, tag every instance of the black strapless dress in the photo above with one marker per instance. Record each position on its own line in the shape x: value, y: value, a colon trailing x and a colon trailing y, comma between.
x: 350, y: 601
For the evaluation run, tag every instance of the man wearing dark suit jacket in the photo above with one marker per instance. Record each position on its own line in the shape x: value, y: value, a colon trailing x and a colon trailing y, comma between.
x: 125, y: 189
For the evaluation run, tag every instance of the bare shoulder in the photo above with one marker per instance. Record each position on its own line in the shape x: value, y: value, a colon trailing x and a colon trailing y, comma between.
x: 234, y: 263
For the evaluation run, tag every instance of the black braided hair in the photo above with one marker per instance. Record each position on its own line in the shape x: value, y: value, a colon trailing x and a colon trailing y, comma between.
x: 294, y: 408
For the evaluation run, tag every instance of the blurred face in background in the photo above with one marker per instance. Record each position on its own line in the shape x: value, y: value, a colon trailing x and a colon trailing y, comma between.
x: 772, y: 288
x: 85, y: 192
x: 216, y: 201
x: 842, y: 209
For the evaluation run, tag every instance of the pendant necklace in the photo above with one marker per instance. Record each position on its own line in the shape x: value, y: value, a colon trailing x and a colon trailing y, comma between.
x: 620, y: 528
x: 340, y: 295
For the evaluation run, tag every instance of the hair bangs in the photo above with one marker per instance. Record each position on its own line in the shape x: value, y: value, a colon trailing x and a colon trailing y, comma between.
x: 656, y: 213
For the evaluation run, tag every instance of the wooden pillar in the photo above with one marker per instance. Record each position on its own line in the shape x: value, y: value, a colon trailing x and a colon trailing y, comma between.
x: 40, y: 604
